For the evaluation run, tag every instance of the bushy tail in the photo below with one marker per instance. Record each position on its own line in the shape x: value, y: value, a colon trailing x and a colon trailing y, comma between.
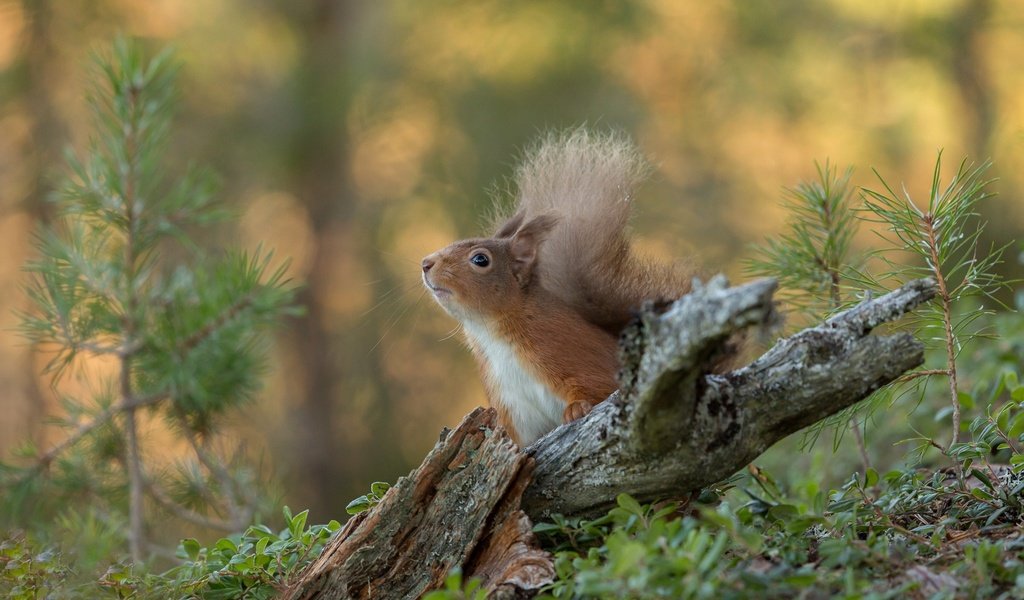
x: 588, y: 180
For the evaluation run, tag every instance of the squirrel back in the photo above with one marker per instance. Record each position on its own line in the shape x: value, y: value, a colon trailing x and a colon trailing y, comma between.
x: 588, y: 180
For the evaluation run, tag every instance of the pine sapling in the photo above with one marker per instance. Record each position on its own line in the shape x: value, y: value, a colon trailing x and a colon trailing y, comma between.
x: 811, y: 259
x: 187, y: 339
x: 945, y: 238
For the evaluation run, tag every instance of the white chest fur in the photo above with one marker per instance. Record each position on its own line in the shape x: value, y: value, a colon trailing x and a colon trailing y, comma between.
x: 533, y: 407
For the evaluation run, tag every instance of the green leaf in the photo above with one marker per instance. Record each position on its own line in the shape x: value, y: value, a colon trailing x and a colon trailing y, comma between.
x: 628, y: 556
x: 298, y: 523
x: 546, y: 527
x: 802, y: 523
x: 802, y: 580
x: 783, y: 512
x: 712, y: 556
x: 1016, y: 425
x: 379, y: 488
x: 227, y: 545
x: 995, y: 515
x: 981, y: 494
x: 191, y: 547
x: 966, y: 400
x: 983, y: 478
x: 629, y: 504
x: 360, y: 504
x: 1011, y: 381
x: 870, y: 477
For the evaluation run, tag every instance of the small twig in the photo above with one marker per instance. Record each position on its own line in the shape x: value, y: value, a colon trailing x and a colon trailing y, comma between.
x: 859, y: 438
x: 995, y: 477
x: 923, y: 373
x: 96, y: 422
x: 75, y: 345
x: 136, y: 521
x: 97, y: 349
x: 238, y: 511
x: 186, y: 514
x: 211, y: 327
x: 947, y: 322
x: 134, y: 459
x: 836, y: 299
x: 936, y: 445
x: 1012, y: 443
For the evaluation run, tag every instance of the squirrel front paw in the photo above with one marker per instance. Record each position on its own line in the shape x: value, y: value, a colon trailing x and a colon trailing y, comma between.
x: 576, y: 410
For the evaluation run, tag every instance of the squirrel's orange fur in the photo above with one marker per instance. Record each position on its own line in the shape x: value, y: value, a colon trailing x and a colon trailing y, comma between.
x: 543, y: 301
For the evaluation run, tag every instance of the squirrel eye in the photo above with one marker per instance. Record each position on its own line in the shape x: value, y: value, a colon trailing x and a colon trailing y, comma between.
x: 480, y: 259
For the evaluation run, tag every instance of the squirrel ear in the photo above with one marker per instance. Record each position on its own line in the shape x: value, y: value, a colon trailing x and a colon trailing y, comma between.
x: 510, y: 226
x: 525, y: 243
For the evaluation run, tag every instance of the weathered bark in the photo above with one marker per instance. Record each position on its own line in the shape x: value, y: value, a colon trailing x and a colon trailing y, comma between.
x: 460, y: 508
x: 671, y: 430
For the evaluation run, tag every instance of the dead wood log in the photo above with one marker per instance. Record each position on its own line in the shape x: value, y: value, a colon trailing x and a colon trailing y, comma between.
x: 672, y: 429
x: 435, y: 520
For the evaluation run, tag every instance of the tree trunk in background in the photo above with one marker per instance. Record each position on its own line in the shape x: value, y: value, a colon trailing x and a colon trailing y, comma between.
x: 670, y: 431
x: 48, y: 134
x: 968, y: 68
x: 319, y: 154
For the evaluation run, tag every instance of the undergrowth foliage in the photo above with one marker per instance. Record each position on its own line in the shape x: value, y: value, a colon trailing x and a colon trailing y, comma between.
x: 257, y: 563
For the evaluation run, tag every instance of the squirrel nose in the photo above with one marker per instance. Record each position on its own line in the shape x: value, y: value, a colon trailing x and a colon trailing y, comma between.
x: 427, y: 264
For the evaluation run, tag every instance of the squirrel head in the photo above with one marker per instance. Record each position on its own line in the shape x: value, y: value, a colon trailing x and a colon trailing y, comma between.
x: 483, y: 277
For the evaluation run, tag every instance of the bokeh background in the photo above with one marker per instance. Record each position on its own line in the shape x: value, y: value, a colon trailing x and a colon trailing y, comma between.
x: 357, y: 137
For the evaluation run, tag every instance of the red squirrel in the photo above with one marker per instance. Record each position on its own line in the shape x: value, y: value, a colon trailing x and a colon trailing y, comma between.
x: 543, y: 301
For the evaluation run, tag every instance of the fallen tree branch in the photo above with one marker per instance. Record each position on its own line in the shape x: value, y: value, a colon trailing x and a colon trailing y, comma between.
x: 671, y: 430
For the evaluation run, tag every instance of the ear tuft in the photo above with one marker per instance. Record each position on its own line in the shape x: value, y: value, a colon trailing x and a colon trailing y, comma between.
x: 527, y: 241
x: 510, y: 226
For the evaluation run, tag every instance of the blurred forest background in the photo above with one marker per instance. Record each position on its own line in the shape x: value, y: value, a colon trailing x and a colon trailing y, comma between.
x: 357, y: 137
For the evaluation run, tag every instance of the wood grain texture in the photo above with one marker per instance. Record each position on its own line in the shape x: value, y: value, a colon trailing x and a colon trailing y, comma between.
x: 433, y: 521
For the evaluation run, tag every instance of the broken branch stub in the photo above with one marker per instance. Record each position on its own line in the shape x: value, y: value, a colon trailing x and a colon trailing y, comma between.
x: 677, y: 347
x: 460, y: 508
